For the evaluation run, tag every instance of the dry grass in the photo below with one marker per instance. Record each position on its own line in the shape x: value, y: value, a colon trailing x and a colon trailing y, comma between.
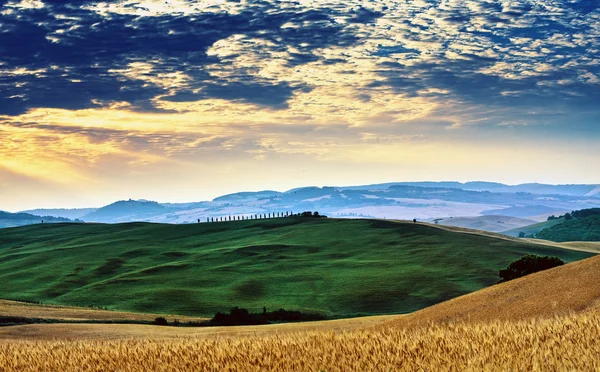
x: 565, y: 343
x: 562, y: 290
x: 29, y: 310
x: 592, y: 247
x: 135, y: 331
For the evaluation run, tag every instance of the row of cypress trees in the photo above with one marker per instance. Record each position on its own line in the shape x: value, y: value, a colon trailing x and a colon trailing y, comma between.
x: 260, y: 216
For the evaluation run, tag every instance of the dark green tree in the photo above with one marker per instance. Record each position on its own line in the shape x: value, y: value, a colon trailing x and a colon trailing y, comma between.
x: 528, y: 264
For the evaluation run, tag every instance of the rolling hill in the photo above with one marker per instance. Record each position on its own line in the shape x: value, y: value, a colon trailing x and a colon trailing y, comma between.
x: 544, y: 321
x: 570, y: 289
x: 562, y: 290
x: 578, y: 229
x: 337, y: 267
x: 487, y: 223
x: 8, y: 219
x: 533, y: 229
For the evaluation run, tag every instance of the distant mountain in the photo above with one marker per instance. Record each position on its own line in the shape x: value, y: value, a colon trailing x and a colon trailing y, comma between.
x: 541, y: 189
x: 61, y: 212
x: 383, y: 186
x: 126, y: 211
x: 8, y: 219
x: 533, y: 188
x: 393, y: 200
x: 186, y: 206
x: 241, y: 196
x: 526, y: 211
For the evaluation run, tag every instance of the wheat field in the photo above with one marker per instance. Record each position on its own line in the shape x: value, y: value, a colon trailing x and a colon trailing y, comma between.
x: 565, y: 343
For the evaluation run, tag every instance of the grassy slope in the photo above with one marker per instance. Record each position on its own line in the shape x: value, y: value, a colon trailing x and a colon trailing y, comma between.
x: 533, y: 229
x: 341, y: 267
x: 488, y: 223
x: 571, y: 288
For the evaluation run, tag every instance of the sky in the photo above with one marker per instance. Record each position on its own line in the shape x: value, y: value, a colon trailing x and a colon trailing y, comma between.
x: 177, y: 100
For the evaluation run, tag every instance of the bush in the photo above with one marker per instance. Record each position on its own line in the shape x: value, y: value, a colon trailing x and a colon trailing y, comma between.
x: 238, y: 316
x: 161, y: 321
x: 528, y: 264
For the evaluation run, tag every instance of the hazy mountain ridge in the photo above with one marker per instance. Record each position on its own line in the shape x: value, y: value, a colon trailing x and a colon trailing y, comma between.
x: 395, y: 200
x: 534, y: 188
x: 125, y: 210
x: 8, y: 219
x: 72, y: 214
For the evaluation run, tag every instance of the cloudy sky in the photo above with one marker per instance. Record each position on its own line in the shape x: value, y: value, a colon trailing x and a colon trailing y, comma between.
x: 177, y: 100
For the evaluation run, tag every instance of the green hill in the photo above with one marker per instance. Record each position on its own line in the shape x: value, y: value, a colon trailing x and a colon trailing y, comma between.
x: 339, y: 267
x: 577, y: 229
x: 534, y: 228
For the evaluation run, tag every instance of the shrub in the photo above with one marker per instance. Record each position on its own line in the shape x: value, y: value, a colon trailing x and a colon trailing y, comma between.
x: 161, y: 321
x: 238, y: 316
x: 528, y: 264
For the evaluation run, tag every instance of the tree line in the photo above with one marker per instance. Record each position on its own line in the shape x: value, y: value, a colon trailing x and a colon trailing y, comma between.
x: 263, y: 216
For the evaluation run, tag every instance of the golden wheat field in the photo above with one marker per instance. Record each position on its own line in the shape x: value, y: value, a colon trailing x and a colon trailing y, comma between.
x: 566, y: 343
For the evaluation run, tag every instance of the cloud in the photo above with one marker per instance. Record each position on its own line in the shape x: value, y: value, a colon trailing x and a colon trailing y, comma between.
x: 88, y: 85
x: 92, y: 54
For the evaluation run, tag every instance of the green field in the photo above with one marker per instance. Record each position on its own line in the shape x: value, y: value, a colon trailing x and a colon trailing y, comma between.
x: 338, y: 267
